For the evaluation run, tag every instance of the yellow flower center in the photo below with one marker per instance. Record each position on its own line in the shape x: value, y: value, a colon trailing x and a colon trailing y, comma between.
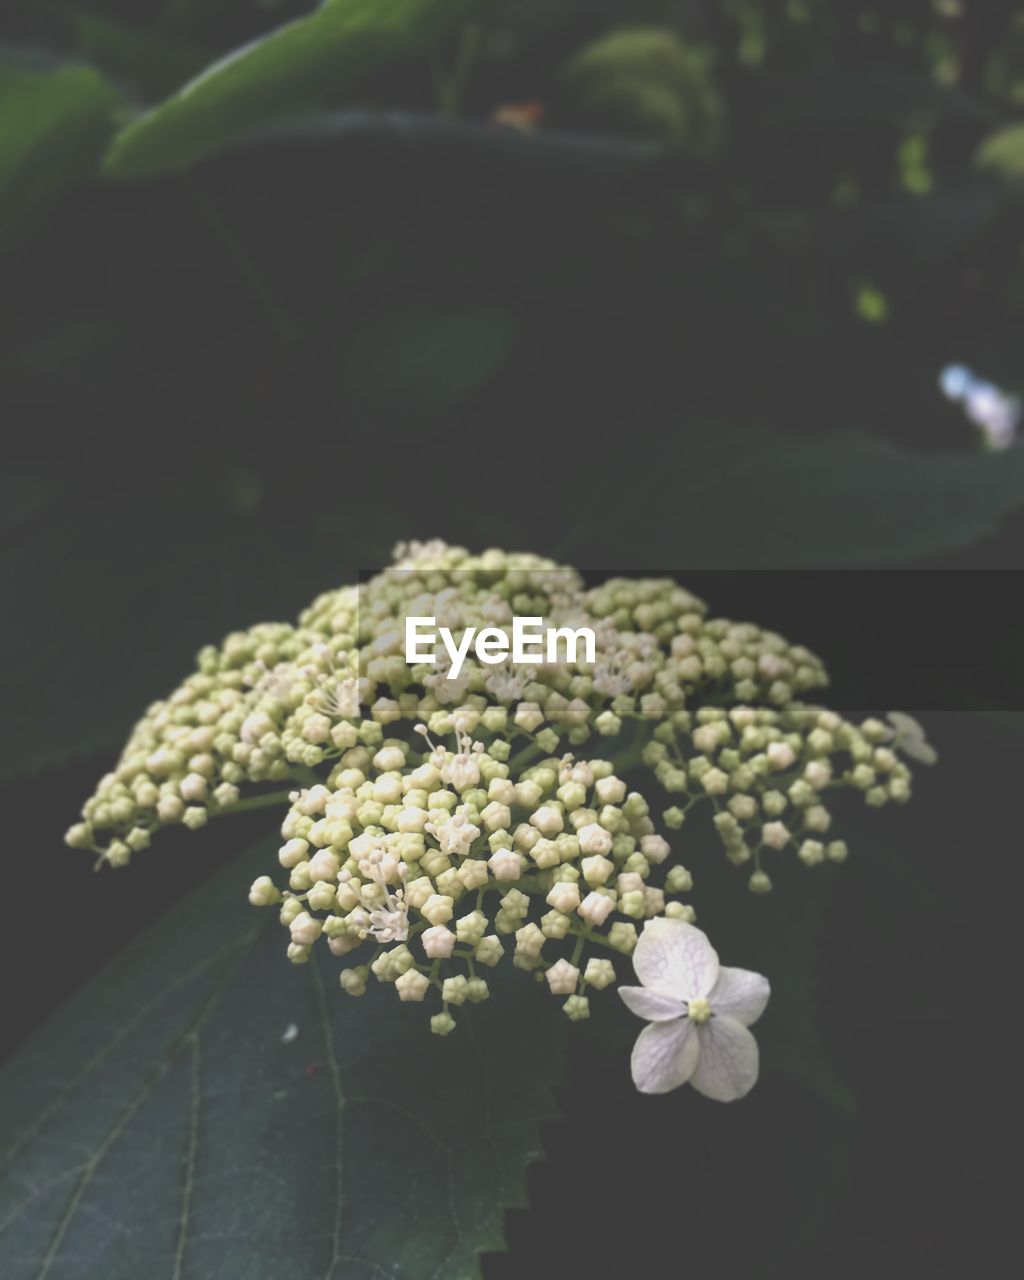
x: 700, y: 1011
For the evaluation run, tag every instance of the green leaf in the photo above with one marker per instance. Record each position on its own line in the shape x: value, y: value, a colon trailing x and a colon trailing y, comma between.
x: 160, y: 1124
x: 300, y: 66
x: 425, y: 359
x: 53, y: 127
x: 753, y: 498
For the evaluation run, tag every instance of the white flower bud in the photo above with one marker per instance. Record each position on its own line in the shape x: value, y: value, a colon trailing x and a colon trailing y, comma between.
x: 170, y: 808
x: 596, y: 870
x: 599, y: 973
x: 324, y: 865
x: 548, y: 820
x: 389, y: 759
x: 501, y: 790
x: 596, y: 908
x: 437, y: 909
x: 438, y: 942
x: 412, y: 985
x: 759, y: 883
x: 562, y: 978
x: 529, y: 940
x: 489, y: 950
x: 387, y: 789
x: 529, y: 716
x: 715, y: 782
x: 496, y: 816
x: 655, y: 848
x: 305, y: 929
x: 292, y: 852
x: 353, y: 981
x: 775, y: 835
x: 193, y: 787
x: 564, y: 896
x: 194, y: 817
x: 780, y: 756
x: 474, y: 873
x: 506, y: 864
x: 471, y: 927
x: 811, y: 852
x: 528, y: 793
x: 594, y: 838
x: 411, y: 820
x: 453, y: 990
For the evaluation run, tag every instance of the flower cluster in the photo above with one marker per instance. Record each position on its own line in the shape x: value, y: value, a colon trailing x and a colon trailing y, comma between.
x: 427, y: 866
x: 434, y: 824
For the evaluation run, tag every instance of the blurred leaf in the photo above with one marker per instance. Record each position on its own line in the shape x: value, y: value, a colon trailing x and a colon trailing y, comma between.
x: 648, y: 82
x: 159, y: 1123
x: 425, y: 359
x: 1002, y: 152
x: 291, y: 70
x: 545, y: 153
x: 752, y: 498
x: 53, y: 127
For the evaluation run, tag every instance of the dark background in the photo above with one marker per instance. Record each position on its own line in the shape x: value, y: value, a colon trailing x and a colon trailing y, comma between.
x: 226, y: 389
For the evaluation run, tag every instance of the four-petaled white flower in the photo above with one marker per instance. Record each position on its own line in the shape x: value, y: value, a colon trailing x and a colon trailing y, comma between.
x: 909, y: 737
x: 699, y: 1013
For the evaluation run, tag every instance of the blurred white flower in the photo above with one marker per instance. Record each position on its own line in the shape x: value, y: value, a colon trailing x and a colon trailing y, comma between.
x: 699, y: 1013
x: 995, y: 413
x: 910, y: 738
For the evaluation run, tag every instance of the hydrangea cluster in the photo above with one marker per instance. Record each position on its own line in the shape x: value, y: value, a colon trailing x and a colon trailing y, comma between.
x: 434, y: 824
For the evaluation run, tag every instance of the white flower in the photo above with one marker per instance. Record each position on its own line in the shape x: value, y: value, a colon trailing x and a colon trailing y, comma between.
x: 462, y: 770
x: 699, y: 1014
x: 455, y: 835
x: 390, y: 921
x: 909, y: 737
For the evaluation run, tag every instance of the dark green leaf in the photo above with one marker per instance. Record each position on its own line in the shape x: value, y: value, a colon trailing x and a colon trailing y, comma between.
x: 53, y: 126
x: 778, y: 935
x: 114, y: 602
x: 507, y: 152
x: 160, y: 1125
x: 426, y: 358
x: 753, y: 498
x: 300, y: 66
